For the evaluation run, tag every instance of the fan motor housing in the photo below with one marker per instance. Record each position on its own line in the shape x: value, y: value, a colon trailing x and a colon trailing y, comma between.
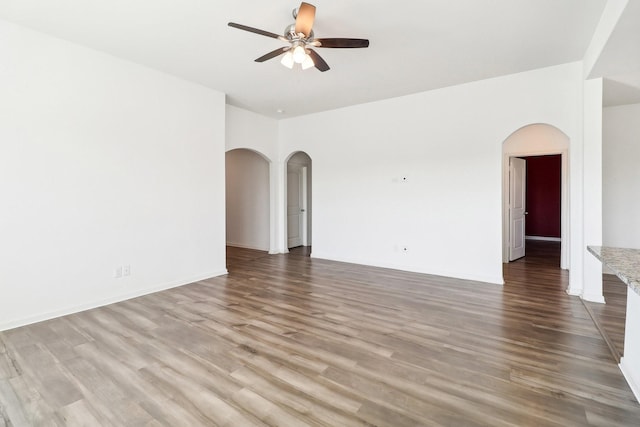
x: 291, y: 35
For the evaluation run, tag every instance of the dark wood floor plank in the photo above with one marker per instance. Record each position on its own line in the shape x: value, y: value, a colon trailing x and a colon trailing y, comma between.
x: 610, y: 317
x: 290, y: 340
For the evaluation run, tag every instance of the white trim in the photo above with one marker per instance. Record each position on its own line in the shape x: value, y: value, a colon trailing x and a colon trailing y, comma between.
x: 565, y: 214
x: 238, y: 245
x: 493, y: 280
x: 304, y: 170
x: 593, y: 298
x: 11, y: 324
x: 573, y: 292
x: 633, y: 384
x: 546, y: 239
x: 282, y: 213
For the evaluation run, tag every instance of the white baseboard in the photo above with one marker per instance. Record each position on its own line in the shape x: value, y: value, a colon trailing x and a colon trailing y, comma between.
x: 593, y: 298
x: 587, y: 297
x: 546, y: 239
x: 574, y: 292
x: 16, y: 323
x: 494, y: 280
x: 628, y: 375
x: 241, y: 246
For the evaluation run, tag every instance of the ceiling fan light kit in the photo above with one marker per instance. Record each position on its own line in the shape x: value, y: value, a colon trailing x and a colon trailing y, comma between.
x: 299, y: 54
x: 307, y: 63
x: 287, y: 60
x: 301, y: 39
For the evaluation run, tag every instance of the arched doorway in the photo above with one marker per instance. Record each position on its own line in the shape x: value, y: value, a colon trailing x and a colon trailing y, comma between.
x: 247, y: 199
x: 298, y: 200
x: 535, y: 140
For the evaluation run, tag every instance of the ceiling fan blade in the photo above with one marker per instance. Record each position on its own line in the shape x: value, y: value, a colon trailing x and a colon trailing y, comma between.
x: 272, y: 54
x: 319, y: 63
x: 305, y: 18
x: 342, y: 43
x: 254, y: 30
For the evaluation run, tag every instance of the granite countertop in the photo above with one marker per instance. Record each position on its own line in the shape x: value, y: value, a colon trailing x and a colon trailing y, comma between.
x: 624, y: 262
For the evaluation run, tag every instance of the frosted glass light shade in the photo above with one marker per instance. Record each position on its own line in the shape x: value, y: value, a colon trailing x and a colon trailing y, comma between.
x: 287, y: 60
x: 299, y: 55
x: 307, y: 63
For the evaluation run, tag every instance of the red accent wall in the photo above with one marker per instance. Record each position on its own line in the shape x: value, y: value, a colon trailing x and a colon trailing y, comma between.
x: 543, y: 195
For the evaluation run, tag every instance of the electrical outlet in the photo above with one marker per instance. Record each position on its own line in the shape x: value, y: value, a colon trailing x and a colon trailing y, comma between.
x: 117, y: 273
x: 126, y: 270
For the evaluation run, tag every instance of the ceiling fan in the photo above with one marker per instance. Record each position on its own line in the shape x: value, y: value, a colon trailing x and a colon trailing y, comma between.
x: 301, y: 40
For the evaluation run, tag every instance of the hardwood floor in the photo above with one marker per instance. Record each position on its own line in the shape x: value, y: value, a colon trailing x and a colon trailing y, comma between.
x: 610, y: 317
x: 291, y: 340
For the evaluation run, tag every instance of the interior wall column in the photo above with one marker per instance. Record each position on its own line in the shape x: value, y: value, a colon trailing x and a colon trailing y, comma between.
x: 278, y: 207
x: 576, y: 215
x: 592, y: 178
x: 274, y: 202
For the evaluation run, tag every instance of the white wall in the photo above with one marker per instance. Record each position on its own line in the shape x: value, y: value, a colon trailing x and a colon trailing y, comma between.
x: 247, y: 196
x: 447, y: 143
x: 592, y: 183
x: 621, y: 176
x: 630, y: 363
x: 246, y: 129
x: 103, y: 163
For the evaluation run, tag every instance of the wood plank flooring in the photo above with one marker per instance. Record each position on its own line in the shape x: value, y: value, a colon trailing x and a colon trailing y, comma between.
x: 610, y: 317
x: 289, y: 340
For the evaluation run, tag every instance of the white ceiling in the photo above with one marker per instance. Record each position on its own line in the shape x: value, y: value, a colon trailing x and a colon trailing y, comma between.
x: 621, y: 90
x: 619, y: 61
x: 416, y: 45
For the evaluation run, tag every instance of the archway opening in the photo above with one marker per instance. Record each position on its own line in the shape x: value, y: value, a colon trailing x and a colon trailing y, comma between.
x: 247, y: 199
x: 531, y: 141
x: 298, y: 198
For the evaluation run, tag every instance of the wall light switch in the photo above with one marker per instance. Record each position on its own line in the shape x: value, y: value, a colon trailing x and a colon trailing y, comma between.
x: 117, y: 273
x: 126, y: 270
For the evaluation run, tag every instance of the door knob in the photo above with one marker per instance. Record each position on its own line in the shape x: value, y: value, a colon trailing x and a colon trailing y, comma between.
x: 301, y: 210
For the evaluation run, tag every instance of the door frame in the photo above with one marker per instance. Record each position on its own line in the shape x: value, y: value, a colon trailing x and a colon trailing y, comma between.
x: 301, y: 172
x: 304, y: 227
x: 564, y: 202
x: 307, y: 203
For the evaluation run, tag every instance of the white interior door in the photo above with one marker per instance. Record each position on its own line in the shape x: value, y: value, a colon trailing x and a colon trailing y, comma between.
x: 295, y: 207
x: 517, y: 188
